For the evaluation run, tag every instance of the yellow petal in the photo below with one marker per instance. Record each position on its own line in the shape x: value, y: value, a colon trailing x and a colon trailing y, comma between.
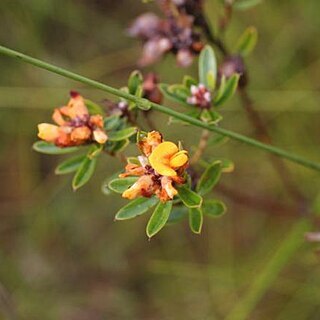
x: 179, y: 159
x: 133, y: 192
x: 48, y: 132
x: 160, y: 158
x: 100, y: 136
x: 143, y: 187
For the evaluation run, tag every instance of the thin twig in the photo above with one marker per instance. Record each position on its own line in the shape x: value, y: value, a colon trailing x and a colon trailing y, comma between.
x: 205, y: 135
x: 145, y: 104
x: 262, y: 132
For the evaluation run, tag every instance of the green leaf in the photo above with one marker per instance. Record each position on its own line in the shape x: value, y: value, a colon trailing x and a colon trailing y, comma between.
x: 246, y: 4
x: 135, y: 87
x: 209, y: 178
x: 122, y: 134
x: 105, y: 188
x: 189, y: 81
x: 120, y: 185
x: 228, y: 90
x: 221, y: 88
x: 135, y: 82
x: 159, y: 218
x: 214, y: 208
x: 136, y: 207
x: 247, y: 41
x: 95, y: 150
x: 227, y: 165
x: 84, y: 173
x: 189, y: 198
x: 217, y: 140
x: 50, y: 148
x: 112, y: 122
x: 180, y: 91
x: 211, y: 117
x: 116, y: 146
x: 69, y: 165
x: 144, y: 104
x: 208, y: 67
x: 177, y: 214
x: 173, y: 96
x: 195, y: 220
x: 93, y: 108
x: 194, y: 114
x: 133, y: 160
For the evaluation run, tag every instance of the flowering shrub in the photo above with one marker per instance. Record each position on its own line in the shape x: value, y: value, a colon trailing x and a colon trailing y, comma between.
x: 161, y: 175
x: 176, y: 181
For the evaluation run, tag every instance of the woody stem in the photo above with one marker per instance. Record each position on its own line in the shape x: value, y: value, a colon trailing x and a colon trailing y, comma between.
x: 144, y: 103
x: 203, y: 142
x: 262, y: 132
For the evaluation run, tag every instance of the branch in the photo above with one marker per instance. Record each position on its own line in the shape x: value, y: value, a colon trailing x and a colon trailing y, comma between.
x: 144, y: 104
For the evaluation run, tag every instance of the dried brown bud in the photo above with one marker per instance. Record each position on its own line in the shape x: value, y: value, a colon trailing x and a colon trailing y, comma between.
x: 145, y: 26
x: 232, y: 65
x: 174, y: 34
x: 150, y: 88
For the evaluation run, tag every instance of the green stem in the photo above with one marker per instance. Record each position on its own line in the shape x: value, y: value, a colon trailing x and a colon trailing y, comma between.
x: 145, y: 103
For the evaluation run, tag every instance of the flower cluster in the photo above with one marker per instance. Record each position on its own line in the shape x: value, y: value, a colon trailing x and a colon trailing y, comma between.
x: 200, y: 96
x: 74, y: 125
x: 174, y: 34
x: 160, y: 167
x: 150, y: 88
x: 192, y: 8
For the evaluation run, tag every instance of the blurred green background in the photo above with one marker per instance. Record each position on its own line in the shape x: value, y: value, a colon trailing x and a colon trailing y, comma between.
x: 61, y: 254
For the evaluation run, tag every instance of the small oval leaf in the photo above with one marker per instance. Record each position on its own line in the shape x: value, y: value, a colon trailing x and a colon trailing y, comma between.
x: 177, y: 214
x: 211, y: 117
x: 159, y: 218
x: 105, y: 185
x: 135, y: 82
x: 246, y: 4
x: 136, y: 208
x: 84, y: 173
x: 227, y: 165
x: 214, y: 208
x: 189, y: 198
x: 247, y: 41
x: 93, y: 108
x: 194, y: 114
x: 112, y: 122
x: 122, y: 134
x: 209, y: 178
x: 120, y: 185
x: 50, y: 148
x: 189, y: 81
x: 173, y: 96
x: 227, y: 91
x: 116, y: 146
x: 217, y: 140
x: 195, y: 220
x: 69, y: 165
x: 207, y: 67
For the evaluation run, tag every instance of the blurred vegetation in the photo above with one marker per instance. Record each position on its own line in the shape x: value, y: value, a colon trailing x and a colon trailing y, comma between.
x: 63, y: 257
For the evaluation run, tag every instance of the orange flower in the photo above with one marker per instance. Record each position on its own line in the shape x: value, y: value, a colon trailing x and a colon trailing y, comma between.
x: 152, y: 140
x: 161, y: 167
x: 75, y: 126
x: 166, y: 158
